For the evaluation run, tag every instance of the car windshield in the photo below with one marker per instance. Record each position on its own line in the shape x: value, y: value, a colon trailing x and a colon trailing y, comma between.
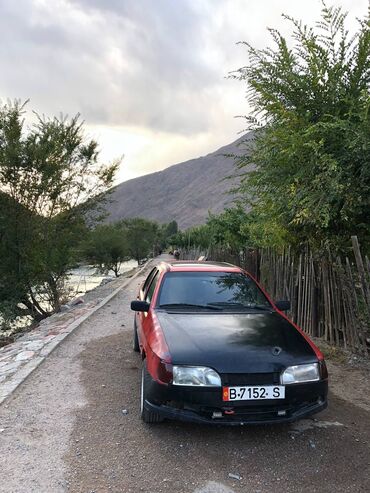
x: 224, y: 290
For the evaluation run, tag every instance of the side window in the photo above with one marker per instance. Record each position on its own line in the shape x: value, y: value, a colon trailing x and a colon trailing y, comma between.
x: 149, y: 294
x: 148, y: 279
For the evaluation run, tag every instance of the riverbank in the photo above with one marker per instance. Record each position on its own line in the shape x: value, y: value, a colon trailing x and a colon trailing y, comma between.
x: 27, y: 352
x: 82, y: 281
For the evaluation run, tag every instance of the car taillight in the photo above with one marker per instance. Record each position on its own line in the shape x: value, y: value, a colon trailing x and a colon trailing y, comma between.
x: 323, y: 370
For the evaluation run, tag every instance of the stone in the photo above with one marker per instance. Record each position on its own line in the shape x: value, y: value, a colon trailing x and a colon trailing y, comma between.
x: 24, y: 355
x: 12, y: 365
x: 77, y: 301
x: 106, y: 280
x: 235, y: 476
x: 34, y: 345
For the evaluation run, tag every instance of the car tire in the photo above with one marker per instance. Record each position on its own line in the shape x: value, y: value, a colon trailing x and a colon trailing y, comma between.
x: 147, y: 416
x: 135, y: 342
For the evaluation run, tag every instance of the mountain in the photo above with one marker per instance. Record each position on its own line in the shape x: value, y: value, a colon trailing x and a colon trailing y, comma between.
x: 184, y: 192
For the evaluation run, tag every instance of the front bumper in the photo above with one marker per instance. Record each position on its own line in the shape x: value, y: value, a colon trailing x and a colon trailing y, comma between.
x: 206, y: 405
x: 236, y: 419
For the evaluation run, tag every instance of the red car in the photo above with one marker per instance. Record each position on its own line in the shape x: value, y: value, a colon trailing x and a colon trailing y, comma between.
x: 216, y: 349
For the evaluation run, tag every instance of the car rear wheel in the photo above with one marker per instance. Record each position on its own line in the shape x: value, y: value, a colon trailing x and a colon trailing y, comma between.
x: 147, y: 416
x: 135, y: 342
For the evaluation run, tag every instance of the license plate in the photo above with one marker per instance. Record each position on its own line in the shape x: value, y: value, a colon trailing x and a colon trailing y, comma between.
x: 253, y: 393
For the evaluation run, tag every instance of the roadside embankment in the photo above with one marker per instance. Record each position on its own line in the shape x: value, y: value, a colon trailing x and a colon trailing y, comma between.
x: 20, y: 358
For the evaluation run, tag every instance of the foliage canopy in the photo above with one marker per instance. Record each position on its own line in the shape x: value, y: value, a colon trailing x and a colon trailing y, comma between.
x: 50, y: 178
x: 105, y: 247
x: 310, y: 115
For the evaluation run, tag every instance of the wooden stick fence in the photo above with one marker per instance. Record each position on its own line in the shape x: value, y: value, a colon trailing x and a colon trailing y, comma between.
x: 330, y: 298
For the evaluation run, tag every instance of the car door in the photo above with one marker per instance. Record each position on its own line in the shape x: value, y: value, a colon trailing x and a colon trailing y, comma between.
x: 141, y: 296
x: 147, y: 318
x: 146, y: 295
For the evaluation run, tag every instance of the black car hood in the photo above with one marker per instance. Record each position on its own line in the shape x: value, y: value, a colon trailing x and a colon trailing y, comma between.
x: 234, y: 343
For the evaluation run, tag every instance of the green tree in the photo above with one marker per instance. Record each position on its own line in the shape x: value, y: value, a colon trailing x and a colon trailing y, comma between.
x: 234, y: 229
x: 141, y: 236
x: 50, y: 182
x: 198, y: 236
x: 164, y: 233
x: 230, y: 228
x: 170, y: 229
x: 106, y: 247
x: 310, y: 114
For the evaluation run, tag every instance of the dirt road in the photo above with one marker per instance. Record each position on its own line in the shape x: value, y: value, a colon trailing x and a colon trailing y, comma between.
x: 74, y: 426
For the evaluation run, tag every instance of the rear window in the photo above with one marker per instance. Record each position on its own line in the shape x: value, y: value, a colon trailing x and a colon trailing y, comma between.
x: 225, y: 289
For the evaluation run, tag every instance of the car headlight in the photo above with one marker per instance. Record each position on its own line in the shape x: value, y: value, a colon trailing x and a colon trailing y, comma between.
x: 300, y: 374
x: 196, y: 375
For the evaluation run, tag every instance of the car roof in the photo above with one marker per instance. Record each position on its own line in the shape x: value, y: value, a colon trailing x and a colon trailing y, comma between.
x: 197, y: 266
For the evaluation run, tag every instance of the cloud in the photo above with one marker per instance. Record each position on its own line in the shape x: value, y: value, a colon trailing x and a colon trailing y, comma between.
x: 149, y: 68
x: 134, y: 63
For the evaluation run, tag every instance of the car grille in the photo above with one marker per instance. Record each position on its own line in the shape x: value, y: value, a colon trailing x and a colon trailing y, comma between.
x: 263, y: 412
x: 240, y: 379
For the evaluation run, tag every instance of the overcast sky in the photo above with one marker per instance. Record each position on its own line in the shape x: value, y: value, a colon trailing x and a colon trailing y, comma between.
x: 147, y: 76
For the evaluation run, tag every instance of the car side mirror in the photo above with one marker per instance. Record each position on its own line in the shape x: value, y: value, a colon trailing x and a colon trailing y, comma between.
x: 283, y: 305
x: 140, y: 306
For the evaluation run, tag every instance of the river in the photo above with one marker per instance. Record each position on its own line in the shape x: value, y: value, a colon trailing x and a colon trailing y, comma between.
x: 86, y: 277
x: 80, y: 280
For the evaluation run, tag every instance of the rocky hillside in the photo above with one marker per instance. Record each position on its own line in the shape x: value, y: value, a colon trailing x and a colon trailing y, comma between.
x: 184, y: 192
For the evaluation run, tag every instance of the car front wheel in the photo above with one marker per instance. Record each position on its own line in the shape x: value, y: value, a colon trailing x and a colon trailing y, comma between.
x: 147, y: 416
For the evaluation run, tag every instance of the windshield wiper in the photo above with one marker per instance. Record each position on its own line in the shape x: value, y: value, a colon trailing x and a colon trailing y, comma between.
x: 189, y: 305
x: 234, y: 304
